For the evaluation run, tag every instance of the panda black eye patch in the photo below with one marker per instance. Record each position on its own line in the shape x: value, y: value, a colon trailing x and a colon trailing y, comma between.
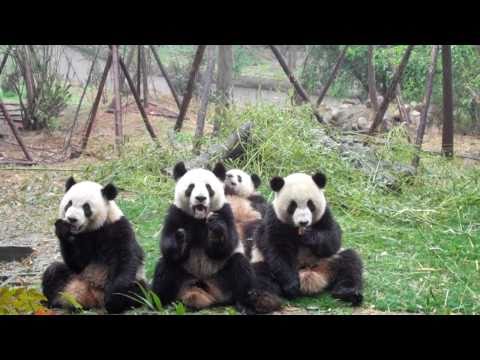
x: 87, y: 210
x: 239, y: 178
x: 291, y: 208
x: 189, y: 190
x: 311, y: 205
x: 210, y: 190
x: 68, y: 205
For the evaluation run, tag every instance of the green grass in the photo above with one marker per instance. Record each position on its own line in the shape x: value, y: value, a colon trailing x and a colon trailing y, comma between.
x: 419, y: 244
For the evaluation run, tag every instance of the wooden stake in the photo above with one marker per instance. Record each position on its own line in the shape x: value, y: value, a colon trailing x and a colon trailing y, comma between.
x: 14, y: 131
x: 165, y: 75
x: 333, y: 75
x: 426, y: 105
x: 93, y: 112
x: 137, y: 99
x: 190, y: 86
x: 391, y: 90
x: 298, y: 88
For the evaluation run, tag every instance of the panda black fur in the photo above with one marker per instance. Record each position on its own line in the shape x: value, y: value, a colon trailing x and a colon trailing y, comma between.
x: 101, y: 257
x: 202, y: 261
x: 297, y: 246
x: 248, y: 206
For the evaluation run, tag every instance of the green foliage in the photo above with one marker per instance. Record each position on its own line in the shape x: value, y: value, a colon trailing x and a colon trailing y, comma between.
x: 14, y: 301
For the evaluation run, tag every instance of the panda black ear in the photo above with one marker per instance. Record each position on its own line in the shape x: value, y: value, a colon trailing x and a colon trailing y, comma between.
x: 70, y: 182
x: 220, y: 171
x: 256, y: 180
x: 320, y: 179
x: 277, y: 183
x: 179, y: 170
x: 110, y: 192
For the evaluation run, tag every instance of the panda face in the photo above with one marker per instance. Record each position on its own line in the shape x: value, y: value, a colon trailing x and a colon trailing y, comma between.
x: 299, y: 199
x: 87, y: 205
x: 240, y: 183
x: 198, y: 192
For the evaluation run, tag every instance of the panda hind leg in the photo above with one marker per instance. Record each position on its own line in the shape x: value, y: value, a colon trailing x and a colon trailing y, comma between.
x: 168, y: 279
x: 348, y: 283
x: 54, y: 281
x: 60, y: 285
x: 266, y: 294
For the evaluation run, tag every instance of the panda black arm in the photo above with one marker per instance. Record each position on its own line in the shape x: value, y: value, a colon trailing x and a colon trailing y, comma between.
x: 282, y: 263
x: 173, y: 243
x: 125, y: 260
x: 324, y: 238
x: 222, y: 235
x: 72, y: 255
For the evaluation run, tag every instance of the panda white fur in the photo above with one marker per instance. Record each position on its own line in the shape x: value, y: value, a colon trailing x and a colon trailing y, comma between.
x: 248, y: 205
x: 101, y: 257
x: 202, y: 261
x: 297, y: 246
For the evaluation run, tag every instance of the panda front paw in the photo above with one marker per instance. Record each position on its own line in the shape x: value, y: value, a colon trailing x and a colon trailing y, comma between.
x: 63, y: 229
x: 216, y: 227
x: 309, y: 237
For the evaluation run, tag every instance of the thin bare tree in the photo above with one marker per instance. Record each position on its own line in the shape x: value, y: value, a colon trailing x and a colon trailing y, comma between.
x: 426, y: 105
x: 448, y: 127
x: 224, y: 84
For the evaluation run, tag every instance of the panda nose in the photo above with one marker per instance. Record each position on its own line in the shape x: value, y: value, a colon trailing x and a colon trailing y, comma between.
x: 303, y: 223
x: 71, y: 220
x: 200, y: 198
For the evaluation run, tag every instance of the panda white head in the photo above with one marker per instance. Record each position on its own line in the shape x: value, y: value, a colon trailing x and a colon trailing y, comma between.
x: 199, y: 191
x: 238, y: 182
x: 299, y: 199
x: 87, y: 205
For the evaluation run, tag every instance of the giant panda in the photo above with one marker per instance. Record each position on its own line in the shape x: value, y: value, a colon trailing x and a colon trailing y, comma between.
x: 102, y: 262
x: 297, y: 247
x: 248, y: 205
x: 202, y: 262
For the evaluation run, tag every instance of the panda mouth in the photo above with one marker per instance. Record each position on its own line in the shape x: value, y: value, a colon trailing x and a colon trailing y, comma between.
x: 199, y: 211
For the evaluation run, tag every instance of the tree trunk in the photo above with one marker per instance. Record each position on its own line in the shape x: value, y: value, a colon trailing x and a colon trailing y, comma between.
x: 389, y: 95
x: 197, y: 60
x: 447, y: 135
x: 139, y: 70
x: 426, y: 105
x: 117, y: 100
x: 25, y: 64
x: 224, y: 91
x: 372, y: 86
x: 146, y: 94
x: 333, y: 75
x: 202, y: 112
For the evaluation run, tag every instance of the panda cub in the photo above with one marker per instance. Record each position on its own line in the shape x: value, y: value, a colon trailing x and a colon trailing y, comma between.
x: 248, y: 206
x: 102, y: 261
x: 297, y: 246
x: 202, y: 261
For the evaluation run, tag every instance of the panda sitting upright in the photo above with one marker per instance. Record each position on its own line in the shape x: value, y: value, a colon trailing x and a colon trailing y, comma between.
x: 248, y: 206
x: 103, y: 263
x: 297, y: 246
x: 202, y: 261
